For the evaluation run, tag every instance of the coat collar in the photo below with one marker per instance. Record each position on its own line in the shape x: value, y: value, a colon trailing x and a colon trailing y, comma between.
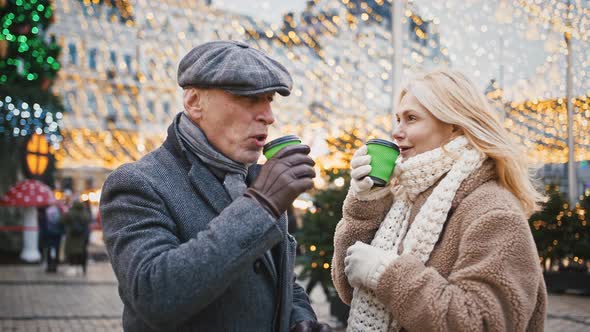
x: 202, y: 179
x: 485, y: 173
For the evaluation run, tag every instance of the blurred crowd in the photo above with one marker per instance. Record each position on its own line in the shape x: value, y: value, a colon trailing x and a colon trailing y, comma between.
x: 64, y: 234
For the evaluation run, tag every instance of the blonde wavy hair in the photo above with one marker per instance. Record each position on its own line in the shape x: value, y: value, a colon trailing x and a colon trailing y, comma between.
x: 453, y: 98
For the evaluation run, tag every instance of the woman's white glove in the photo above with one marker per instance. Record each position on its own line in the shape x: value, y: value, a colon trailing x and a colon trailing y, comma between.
x: 360, y: 183
x: 364, y: 264
x: 360, y: 167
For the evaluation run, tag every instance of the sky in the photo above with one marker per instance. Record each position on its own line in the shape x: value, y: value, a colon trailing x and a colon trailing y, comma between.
x: 477, y: 43
x: 268, y: 10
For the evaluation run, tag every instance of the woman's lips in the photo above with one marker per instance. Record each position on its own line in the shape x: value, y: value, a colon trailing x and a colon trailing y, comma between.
x: 405, y: 151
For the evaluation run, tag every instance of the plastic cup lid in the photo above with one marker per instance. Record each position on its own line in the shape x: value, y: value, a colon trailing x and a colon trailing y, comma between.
x: 279, y: 141
x: 383, y: 142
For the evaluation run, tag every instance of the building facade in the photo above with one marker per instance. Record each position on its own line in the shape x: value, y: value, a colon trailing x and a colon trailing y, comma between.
x: 119, y: 59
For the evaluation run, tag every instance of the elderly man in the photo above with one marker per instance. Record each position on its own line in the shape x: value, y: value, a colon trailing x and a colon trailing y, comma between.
x: 195, y: 230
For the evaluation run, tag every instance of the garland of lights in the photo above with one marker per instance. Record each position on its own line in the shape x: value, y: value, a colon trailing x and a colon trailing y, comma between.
x: 25, y: 119
x: 343, y: 88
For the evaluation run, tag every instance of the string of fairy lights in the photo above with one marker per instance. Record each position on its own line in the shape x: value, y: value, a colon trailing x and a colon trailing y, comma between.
x: 338, y: 51
x: 513, y: 37
x: 25, y: 119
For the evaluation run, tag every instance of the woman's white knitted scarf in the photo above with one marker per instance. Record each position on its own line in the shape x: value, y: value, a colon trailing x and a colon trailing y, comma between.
x: 458, y: 158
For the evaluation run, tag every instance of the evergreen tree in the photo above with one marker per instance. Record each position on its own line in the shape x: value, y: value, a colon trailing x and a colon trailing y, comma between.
x: 560, y: 232
x: 582, y: 229
x: 28, y: 67
x: 316, y: 237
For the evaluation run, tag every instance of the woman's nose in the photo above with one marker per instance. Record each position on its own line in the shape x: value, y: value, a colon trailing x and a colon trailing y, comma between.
x: 398, y: 133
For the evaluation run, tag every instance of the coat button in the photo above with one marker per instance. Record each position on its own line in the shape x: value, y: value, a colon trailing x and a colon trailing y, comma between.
x: 258, y: 266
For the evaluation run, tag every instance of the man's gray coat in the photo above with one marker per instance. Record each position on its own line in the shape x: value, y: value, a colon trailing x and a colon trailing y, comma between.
x: 187, y: 258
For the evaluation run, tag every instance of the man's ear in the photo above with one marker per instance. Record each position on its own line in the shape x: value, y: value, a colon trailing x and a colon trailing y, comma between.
x: 192, y: 100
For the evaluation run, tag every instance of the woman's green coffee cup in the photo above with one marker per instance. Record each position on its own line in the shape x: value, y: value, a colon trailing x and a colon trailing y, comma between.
x: 383, y: 156
x: 274, y: 146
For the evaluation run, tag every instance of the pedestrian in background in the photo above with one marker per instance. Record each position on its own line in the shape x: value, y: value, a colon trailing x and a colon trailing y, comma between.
x: 77, y: 224
x: 447, y: 246
x: 52, y: 230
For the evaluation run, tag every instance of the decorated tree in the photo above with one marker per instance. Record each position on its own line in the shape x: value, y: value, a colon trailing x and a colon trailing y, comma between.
x: 316, y: 236
x: 582, y: 230
x: 561, y: 233
x: 28, y: 67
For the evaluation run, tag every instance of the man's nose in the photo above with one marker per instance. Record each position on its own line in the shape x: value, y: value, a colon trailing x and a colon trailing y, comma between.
x: 265, y: 114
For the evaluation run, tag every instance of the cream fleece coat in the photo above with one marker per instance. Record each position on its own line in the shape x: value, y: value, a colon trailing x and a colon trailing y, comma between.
x: 483, y: 274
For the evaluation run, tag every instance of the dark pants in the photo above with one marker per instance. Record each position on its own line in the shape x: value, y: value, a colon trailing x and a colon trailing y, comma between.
x: 52, y: 253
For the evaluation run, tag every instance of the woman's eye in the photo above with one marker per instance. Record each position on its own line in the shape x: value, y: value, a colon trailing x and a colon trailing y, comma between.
x: 411, y: 118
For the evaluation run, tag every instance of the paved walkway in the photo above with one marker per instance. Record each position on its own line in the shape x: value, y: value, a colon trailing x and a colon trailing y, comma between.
x: 32, y: 300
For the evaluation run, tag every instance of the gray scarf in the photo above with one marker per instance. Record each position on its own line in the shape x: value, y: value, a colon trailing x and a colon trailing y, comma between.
x: 232, y: 172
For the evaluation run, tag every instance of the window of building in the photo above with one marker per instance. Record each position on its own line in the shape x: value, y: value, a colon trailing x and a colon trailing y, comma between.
x: 170, y: 71
x: 91, y: 101
x: 73, y: 52
x: 166, y: 108
x: 113, y: 14
x: 125, y: 109
x: 70, y: 100
x: 113, y: 57
x: 151, y: 73
x: 127, y: 59
x: 110, y: 106
x: 150, y: 106
x: 92, y: 58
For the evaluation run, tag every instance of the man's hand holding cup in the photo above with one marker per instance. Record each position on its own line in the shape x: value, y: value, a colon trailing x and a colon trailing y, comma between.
x: 287, y: 174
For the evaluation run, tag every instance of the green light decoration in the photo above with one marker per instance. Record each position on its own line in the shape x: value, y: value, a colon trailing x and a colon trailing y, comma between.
x: 28, y: 67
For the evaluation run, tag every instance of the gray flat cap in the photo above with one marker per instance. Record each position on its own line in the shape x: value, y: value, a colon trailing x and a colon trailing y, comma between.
x: 235, y: 67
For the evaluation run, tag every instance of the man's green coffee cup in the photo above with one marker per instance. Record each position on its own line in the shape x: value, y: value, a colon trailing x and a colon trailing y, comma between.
x: 274, y: 146
x: 383, y: 156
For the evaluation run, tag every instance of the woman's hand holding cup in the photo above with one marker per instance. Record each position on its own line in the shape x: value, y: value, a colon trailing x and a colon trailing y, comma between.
x: 372, y: 167
x: 360, y: 168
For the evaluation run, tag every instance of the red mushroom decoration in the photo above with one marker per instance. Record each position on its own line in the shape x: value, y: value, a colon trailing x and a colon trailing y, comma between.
x: 29, y: 194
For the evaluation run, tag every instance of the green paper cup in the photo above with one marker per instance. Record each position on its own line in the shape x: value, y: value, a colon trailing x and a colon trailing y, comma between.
x: 274, y: 146
x: 383, y: 156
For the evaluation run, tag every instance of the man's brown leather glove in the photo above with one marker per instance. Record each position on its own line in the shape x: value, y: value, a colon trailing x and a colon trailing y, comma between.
x: 283, y: 177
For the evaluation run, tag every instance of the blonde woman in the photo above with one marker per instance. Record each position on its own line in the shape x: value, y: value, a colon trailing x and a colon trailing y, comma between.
x: 447, y: 246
